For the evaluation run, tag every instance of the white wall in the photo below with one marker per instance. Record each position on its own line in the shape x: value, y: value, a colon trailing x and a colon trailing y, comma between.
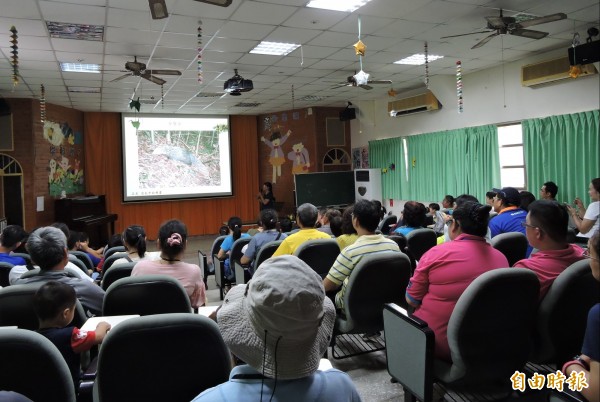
x: 488, y: 99
x: 483, y: 93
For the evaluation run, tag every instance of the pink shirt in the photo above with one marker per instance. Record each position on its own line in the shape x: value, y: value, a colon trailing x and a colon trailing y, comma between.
x: 443, y: 274
x: 548, y: 264
x: 188, y: 275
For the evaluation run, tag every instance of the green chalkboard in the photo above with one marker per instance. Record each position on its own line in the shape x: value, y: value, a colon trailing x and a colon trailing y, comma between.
x: 325, y: 189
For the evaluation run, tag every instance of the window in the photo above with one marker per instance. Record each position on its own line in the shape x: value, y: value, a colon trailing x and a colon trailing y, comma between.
x: 512, y: 160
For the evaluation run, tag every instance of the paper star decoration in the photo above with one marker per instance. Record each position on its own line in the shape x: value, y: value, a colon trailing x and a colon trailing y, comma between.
x: 360, y: 48
x: 361, y: 78
x: 135, y: 104
x: 392, y: 93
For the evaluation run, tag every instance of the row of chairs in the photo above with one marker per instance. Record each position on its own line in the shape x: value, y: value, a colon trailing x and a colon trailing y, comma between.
x: 168, y: 357
x: 495, y: 328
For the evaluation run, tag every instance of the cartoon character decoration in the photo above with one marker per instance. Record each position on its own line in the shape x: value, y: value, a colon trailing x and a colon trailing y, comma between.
x: 52, y: 167
x: 299, y: 158
x: 276, y: 157
x: 53, y: 133
x: 64, y: 176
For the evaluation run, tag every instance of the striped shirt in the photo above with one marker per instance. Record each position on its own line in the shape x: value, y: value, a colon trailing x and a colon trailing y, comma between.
x: 351, y: 256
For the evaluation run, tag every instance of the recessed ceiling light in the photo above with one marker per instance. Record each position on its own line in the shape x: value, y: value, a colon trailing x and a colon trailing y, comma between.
x: 86, y: 90
x: 311, y: 98
x: 418, y: 59
x: 246, y: 104
x: 274, y: 48
x: 80, y: 68
x: 337, y: 5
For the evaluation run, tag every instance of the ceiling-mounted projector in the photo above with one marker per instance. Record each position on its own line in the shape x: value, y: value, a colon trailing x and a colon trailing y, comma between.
x: 237, y: 84
x: 222, y: 3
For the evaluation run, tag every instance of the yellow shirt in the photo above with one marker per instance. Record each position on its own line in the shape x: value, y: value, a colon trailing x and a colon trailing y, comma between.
x: 346, y: 239
x: 291, y: 243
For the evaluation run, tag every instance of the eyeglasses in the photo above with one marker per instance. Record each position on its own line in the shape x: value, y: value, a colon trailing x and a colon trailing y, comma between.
x: 525, y: 224
x: 449, y: 222
x: 587, y: 254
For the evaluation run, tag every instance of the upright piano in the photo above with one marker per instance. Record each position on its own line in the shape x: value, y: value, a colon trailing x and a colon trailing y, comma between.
x: 87, y: 214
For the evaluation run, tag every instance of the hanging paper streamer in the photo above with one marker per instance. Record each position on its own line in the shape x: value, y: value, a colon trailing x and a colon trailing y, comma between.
x: 200, y: 78
x: 426, y: 66
x: 43, y: 104
x: 459, y: 86
x: 361, y: 78
x: 15, y: 55
x: 162, y: 96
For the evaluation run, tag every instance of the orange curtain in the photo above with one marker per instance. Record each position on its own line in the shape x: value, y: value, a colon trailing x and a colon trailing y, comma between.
x: 102, y: 142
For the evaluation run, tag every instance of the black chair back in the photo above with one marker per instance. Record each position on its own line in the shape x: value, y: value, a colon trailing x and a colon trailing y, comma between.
x: 168, y: 357
x: 513, y: 245
x: 419, y: 241
x: 79, y: 264
x: 112, y: 250
x: 266, y: 252
x: 5, y: 268
x: 117, y: 272
x: 83, y: 257
x: 386, y: 224
x: 109, y: 261
x: 319, y: 254
x: 562, y: 315
x: 146, y: 295
x: 32, y: 366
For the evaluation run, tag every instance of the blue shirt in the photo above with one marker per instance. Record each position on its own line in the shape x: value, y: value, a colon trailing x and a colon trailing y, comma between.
x: 228, y: 242
x: 260, y: 239
x: 509, y: 221
x: 322, y: 386
x: 591, y: 340
x: 404, y: 230
x: 4, y: 257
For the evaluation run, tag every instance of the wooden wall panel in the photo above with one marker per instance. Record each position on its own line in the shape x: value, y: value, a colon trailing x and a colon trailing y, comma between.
x: 202, y: 216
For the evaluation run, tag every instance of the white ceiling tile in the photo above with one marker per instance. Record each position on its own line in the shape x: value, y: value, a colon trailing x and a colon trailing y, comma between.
x: 72, y: 13
x: 255, y: 12
x: 292, y: 35
x: 24, y: 26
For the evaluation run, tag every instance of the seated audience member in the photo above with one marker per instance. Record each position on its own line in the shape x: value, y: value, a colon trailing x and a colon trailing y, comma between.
x: 72, y: 269
x: 526, y: 199
x: 306, y: 217
x: 326, y: 220
x: 234, y: 232
x: 489, y: 199
x: 381, y: 209
x: 115, y: 240
x: 54, y: 305
x: 587, y: 220
x: 448, y: 204
x: 83, y: 245
x: 413, y: 217
x: 172, y: 240
x: 589, y: 360
x: 268, y: 221
x: 285, y: 225
x: 365, y: 220
x: 510, y: 216
x: 458, y: 201
x: 446, y: 270
x: 546, y: 230
x: 280, y: 325
x: 349, y: 234
x: 134, y: 241
x: 549, y: 191
x: 336, y: 226
x: 48, y: 248
x: 438, y: 218
x: 11, y: 238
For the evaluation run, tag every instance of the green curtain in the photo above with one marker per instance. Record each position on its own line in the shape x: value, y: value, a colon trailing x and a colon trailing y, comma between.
x: 563, y: 149
x: 453, y: 162
x: 384, y: 153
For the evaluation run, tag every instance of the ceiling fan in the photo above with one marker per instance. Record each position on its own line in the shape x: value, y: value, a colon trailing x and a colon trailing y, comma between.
x: 501, y: 25
x: 351, y: 82
x: 137, y: 69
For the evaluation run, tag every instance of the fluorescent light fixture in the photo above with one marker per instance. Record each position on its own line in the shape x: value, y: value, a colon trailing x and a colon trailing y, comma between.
x: 418, y: 59
x: 311, y: 98
x: 85, y: 90
x: 64, y: 30
x: 338, y: 5
x: 275, y: 48
x: 80, y: 68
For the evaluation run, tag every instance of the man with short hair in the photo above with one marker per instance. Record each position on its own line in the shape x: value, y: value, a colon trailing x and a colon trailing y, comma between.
x: 11, y: 238
x: 365, y: 219
x: 306, y: 218
x: 549, y: 191
x: 546, y: 230
x: 47, y: 246
x: 510, y: 216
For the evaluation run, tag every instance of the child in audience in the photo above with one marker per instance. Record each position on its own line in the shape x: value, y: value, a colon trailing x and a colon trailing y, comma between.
x: 95, y: 255
x: 134, y: 240
x: 438, y: 218
x: 54, y: 304
x: 11, y: 238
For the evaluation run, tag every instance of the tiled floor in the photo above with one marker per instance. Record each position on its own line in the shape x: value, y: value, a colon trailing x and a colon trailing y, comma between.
x: 368, y: 372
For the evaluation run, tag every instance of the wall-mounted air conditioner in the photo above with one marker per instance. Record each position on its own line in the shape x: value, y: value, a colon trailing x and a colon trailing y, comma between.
x: 550, y: 71
x: 415, y: 104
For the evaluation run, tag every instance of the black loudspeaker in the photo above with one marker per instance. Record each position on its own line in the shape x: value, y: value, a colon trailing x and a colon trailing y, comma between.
x: 585, y: 54
x: 347, y: 114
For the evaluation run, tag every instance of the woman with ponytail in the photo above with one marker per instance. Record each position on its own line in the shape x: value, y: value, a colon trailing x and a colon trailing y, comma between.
x: 134, y: 241
x: 172, y: 240
x: 445, y: 271
x: 234, y: 224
